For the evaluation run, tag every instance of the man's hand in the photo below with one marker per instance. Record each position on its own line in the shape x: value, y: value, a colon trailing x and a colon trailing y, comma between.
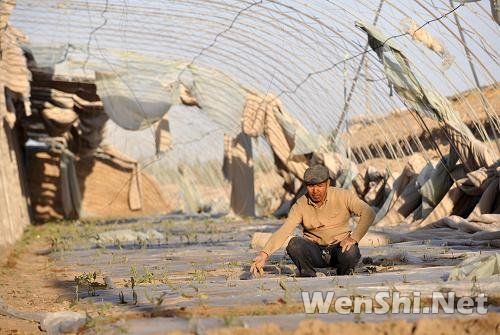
x: 347, y: 243
x: 258, y: 263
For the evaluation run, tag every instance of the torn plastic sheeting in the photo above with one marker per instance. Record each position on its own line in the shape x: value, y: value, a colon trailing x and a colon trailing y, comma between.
x: 238, y: 167
x: 221, y: 97
x: 423, y: 100
x: 395, y: 66
x: 476, y: 268
x: 435, y: 188
x: 469, y: 226
x: 425, y: 174
x: 260, y: 116
x: 163, y: 136
x: 74, y: 61
x: 131, y: 101
x: 253, y: 117
x: 473, y: 153
x: 135, y: 191
x: 388, y: 202
x: 406, y: 198
x: 488, y: 235
x: 48, y: 55
x: 375, y: 238
x: 462, y: 188
x: 304, y: 142
x: 476, y: 182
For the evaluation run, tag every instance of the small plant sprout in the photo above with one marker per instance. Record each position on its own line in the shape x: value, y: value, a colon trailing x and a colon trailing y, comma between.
x: 122, y: 298
x: 89, y: 281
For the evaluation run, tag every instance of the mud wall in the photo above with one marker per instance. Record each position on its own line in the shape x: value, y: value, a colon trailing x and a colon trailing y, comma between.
x: 14, y: 91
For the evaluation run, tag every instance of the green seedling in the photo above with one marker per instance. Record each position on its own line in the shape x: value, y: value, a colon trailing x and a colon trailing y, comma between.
x: 122, y: 298
x: 146, y: 277
x: 88, y: 281
x: 134, y: 294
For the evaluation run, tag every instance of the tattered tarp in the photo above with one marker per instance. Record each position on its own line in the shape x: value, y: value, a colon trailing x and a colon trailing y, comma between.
x: 434, y: 189
x: 140, y: 90
x: 261, y: 116
x: 396, y: 67
x: 218, y: 95
x: 137, y: 91
x: 404, y: 197
x: 425, y: 101
x: 238, y: 169
x: 483, y: 183
x: 134, y: 93
x: 132, y: 101
x: 446, y: 186
x: 163, y: 137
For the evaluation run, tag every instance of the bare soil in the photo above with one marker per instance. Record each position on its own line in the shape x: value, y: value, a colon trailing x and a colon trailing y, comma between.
x: 29, y: 281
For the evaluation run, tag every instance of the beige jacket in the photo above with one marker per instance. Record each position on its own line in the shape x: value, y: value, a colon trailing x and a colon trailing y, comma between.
x: 326, y: 224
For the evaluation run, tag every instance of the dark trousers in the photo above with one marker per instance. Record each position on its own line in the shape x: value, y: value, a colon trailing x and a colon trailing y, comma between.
x: 308, y: 255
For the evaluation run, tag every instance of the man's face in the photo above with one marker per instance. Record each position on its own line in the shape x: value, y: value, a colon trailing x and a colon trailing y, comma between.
x: 317, y: 192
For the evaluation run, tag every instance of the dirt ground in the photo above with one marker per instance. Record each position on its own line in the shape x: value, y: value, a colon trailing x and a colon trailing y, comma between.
x: 486, y: 325
x: 29, y: 281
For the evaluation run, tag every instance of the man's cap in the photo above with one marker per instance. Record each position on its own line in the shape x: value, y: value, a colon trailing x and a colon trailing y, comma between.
x: 316, y: 174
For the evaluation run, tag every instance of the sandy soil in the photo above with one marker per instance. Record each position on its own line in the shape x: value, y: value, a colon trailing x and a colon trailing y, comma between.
x: 29, y: 281
x: 489, y: 324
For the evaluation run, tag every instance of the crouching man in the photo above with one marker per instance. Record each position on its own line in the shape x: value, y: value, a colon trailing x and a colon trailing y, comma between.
x: 324, y: 213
